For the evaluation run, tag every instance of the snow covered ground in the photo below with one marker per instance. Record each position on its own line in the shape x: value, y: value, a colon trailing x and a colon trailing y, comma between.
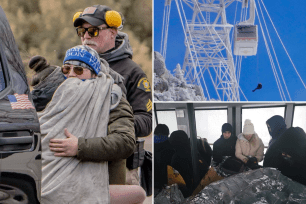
x: 173, y: 87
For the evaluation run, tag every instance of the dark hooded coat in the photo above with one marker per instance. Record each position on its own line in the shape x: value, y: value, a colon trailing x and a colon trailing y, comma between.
x: 273, y: 156
x: 163, y: 153
x: 181, y: 160
x: 293, y: 143
x: 277, y: 127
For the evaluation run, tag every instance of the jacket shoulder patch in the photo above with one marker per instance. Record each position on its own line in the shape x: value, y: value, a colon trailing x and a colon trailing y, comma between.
x: 144, y: 84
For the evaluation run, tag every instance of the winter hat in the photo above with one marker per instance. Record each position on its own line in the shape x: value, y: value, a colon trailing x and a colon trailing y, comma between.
x: 277, y: 125
x: 82, y: 55
x: 248, y: 128
x: 161, y: 129
x: 99, y: 14
x: 227, y: 127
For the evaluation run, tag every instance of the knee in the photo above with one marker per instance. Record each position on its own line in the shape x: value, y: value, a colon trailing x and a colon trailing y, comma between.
x: 140, y: 194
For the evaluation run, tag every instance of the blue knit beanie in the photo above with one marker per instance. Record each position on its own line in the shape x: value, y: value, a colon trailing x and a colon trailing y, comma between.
x: 84, y: 54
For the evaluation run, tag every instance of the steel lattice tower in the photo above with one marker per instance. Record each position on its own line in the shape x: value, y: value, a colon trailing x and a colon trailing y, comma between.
x: 208, y: 60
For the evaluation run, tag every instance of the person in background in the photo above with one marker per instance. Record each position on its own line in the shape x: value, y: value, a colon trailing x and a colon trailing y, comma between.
x: 97, y: 26
x: 287, y: 154
x: 249, y: 147
x: 276, y: 126
x: 204, y: 155
x: 163, y: 152
x: 181, y: 160
x: 225, y: 145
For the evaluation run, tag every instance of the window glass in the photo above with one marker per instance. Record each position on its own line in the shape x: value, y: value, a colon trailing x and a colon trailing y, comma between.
x: 258, y: 117
x: 168, y: 118
x: 209, y: 123
x: 2, y: 81
x: 299, y: 119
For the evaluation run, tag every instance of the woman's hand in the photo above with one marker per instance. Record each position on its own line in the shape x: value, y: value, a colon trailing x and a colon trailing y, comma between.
x: 245, y: 160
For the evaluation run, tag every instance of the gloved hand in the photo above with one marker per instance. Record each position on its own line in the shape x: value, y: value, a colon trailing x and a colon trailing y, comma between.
x: 251, y: 161
x: 41, y: 67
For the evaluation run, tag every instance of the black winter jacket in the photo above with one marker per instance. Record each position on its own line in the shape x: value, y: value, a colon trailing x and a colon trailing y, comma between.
x: 163, y: 153
x: 224, y: 147
x: 136, y: 82
x: 293, y: 143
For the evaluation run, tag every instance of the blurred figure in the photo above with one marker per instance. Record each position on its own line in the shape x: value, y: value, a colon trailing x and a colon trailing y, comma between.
x: 204, y: 155
x: 181, y: 160
x: 163, y: 152
x: 276, y: 126
x: 288, y: 154
x: 45, y: 81
x: 225, y: 145
x: 249, y: 147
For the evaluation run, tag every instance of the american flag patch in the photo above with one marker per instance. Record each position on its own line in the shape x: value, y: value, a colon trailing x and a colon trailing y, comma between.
x: 89, y: 10
x: 20, y: 101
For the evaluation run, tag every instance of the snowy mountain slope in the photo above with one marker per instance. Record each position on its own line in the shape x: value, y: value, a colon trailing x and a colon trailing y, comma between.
x: 168, y: 87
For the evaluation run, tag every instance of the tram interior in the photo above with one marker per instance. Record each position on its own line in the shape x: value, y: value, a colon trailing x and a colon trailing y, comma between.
x: 204, y: 120
x: 209, y: 117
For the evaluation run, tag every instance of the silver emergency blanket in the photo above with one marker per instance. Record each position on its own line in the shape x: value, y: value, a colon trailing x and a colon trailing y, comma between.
x: 261, y: 186
x: 83, y: 108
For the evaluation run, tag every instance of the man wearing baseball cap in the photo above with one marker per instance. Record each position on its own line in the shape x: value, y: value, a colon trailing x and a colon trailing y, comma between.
x: 98, y: 26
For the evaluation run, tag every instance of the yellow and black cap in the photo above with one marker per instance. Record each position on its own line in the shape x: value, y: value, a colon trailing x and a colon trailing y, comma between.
x: 99, y: 14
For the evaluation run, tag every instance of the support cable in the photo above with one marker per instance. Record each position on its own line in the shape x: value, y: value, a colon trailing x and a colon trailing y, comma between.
x: 284, y: 46
x: 243, y: 94
x: 271, y: 59
x: 274, y: 52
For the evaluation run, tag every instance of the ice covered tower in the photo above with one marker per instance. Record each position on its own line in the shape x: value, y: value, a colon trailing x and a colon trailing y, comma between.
x: 208, y: 60
x: 208, y: 55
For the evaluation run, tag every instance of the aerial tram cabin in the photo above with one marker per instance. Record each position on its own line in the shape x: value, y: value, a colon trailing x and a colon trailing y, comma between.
x: 246, y: 40
x: 246, y: 34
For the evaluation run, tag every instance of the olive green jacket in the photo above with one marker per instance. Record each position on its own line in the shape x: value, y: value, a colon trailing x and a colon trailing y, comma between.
x: 116, y: 147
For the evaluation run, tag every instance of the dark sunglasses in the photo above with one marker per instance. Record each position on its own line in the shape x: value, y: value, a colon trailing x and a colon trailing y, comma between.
x: 78, y: 70
x: 92, y: 31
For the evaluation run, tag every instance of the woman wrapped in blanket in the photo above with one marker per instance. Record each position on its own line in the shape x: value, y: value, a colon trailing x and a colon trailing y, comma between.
x: 81, y: 107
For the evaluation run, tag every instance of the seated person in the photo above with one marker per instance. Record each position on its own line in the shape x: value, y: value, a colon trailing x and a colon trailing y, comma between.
x: 204, y: 155
x: 249, y: 147
x: 288, y: 154
x: 163, y: 152
x: 225, y: 145
x: 276, y: 126
x: 181, y: 160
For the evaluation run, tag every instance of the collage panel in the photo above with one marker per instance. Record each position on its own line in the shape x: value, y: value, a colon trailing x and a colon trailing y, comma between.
x: 229, y: 50
x: 75, y: 102
x: 229, y: 152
